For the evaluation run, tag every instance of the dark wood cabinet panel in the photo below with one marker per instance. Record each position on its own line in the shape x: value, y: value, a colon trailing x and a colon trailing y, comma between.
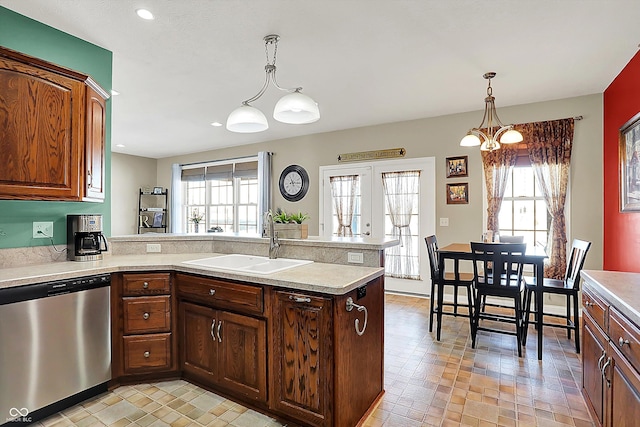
x: 94, y: 147
x: 147, y: 314
x: 52, y: 127
x: 197, y: 340
x: 623, y: 392
x: 147, y: 353
x: 303, y: 357
x: 594, y: 346
x: 242, y: 355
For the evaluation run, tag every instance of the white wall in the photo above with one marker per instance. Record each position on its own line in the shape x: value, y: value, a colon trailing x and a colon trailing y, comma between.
x: 440, y: 137
x: 128, y: 174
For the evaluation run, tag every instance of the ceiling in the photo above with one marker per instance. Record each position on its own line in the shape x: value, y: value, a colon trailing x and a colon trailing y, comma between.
x: 365, y: 62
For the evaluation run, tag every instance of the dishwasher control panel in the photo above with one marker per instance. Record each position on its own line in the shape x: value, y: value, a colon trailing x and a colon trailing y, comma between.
x: 49, y: 289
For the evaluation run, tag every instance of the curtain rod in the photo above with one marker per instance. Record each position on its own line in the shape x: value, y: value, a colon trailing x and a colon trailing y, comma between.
x: 212, y: 162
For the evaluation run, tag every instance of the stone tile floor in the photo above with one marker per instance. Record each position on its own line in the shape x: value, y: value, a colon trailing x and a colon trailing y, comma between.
x: 427, y: 383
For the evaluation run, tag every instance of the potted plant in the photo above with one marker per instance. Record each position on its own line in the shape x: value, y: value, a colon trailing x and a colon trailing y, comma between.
x: 196, y: 217
x: 289, y: 226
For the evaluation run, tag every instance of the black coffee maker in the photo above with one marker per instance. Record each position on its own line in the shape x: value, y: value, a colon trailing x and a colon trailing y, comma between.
x: 85, y: 241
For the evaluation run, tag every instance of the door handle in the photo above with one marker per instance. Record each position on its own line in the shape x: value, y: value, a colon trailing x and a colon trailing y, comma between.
x: 213, y: 325
x: 218, y: 331
x: 367, y: 233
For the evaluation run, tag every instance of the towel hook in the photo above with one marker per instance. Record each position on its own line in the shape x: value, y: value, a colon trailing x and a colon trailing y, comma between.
x: 350, y: 306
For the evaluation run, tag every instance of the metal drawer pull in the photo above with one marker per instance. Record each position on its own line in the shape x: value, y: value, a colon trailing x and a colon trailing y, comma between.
x: 145, y: 316
x: 218, y: 331
x: 622, y: 342
x: 299, y: 299
x: 145, y: 285
x: 604, y: 372
x: 212, y: 291
x: 213, y: 325
x: 350, y: 306
x: 146, y: 354
x: 588, y: 304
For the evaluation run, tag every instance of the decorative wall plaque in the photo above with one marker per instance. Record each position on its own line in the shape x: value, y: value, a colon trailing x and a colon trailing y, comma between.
x: 389, y: 153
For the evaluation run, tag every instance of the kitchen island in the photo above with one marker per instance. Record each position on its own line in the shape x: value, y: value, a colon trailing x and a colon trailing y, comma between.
x: 304, y: 344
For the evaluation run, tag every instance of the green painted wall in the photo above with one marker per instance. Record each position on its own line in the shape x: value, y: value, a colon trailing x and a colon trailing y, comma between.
x: 25, y: 35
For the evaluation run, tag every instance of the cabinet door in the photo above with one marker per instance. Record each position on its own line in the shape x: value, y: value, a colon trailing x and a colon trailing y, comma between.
x: 242, y: 355
x: 94, y: 156
x: 302, y: 357
x: 594, y: 348
x: 197, y: 341
x: 623, y: 393
x: 41, y: 133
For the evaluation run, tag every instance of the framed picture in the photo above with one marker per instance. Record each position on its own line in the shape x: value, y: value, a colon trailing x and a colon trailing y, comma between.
x: 457, y: 166
x: 630, y: 165
x: 157, y: 219
x: 157, y: 190
x: 458, y: 194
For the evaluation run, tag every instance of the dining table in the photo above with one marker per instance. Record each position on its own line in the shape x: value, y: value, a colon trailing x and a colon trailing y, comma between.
x: 534, y: 255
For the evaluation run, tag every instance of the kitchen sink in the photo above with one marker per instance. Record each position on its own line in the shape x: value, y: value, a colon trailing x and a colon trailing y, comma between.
x: 249, y: 263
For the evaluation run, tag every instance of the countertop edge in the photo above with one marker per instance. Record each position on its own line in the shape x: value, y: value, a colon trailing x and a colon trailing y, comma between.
x: 301, y: 278
x: 620, y: 289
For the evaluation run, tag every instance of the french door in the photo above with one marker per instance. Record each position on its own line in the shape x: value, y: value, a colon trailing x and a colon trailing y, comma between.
x: 362, y: 185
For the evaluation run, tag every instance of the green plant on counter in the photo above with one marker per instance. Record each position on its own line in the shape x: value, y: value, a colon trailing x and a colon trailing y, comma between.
x: 281, y: 217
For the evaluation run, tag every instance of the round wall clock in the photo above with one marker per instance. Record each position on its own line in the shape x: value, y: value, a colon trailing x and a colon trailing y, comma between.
x: 294, y: 183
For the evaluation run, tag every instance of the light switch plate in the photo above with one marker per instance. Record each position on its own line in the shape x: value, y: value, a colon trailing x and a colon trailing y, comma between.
x: 355, y: 257
x: 154, y: 247
x: 444, y: 222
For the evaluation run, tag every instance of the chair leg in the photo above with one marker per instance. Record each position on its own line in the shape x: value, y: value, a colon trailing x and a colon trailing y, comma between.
x: 527, y: 314
x: 470, y: 302
x: 518, y: 308
x: 455, y: 299
x: 568, y: 316
x: 439, y: 310
x: 576, y: 321
x: 433, y: 296
x: 474, y: 324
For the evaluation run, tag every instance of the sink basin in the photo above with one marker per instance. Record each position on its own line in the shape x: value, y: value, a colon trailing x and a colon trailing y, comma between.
x: 249, y: 263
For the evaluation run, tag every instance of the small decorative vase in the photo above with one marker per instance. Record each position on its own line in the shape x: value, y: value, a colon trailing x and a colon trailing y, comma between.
x: 195, y: 226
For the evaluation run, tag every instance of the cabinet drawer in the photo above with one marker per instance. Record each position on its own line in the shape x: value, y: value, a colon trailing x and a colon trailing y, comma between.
x: 145, y: 284
x: 596, y: 308
x: 146, y: 314
x: 625, y: 336
x: 147, y: 352
x: 222, y: 293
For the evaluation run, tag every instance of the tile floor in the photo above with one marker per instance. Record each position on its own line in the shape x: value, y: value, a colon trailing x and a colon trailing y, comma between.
x: 427, y: 383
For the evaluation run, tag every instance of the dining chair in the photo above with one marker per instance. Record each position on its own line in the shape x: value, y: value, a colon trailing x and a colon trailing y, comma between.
x: 497, y: 268
x: 569, y: 287
x: 456, y: 279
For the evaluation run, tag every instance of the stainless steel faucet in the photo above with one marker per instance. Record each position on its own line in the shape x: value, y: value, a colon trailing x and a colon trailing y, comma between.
x: 274, y: 244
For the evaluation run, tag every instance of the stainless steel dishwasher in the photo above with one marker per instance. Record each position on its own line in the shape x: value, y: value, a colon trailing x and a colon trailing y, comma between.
x: 55, y: 346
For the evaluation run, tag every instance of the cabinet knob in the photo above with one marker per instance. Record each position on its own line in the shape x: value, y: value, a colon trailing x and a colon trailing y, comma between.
x: 146, y: 354
x: 145, y: 316
x: 212, y: 291
x: 622, y: 342
x: 145, y: 285
x: 588, y: 304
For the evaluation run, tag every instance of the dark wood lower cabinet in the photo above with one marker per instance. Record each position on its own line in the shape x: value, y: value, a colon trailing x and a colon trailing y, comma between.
x: 302, y: 356
x: 224, y: 349
x: 623, y: 392
x: 594, y: 346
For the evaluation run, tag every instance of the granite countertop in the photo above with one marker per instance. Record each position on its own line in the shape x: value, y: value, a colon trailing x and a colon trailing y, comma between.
x: 620, y: 289
x: 333, y: 279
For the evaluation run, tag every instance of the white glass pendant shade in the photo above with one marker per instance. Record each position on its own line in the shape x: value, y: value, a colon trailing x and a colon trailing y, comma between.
x: 511, y: 137
x: 489, y: 145
x: 296, y: 109
x: 247, y: 119
x: 470, y: 140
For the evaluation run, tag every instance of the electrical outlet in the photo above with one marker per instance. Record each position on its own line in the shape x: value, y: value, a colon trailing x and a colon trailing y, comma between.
x: 444, y: 222
x: 154, y: 247
x: 42, y: 230
x: 355, y: 257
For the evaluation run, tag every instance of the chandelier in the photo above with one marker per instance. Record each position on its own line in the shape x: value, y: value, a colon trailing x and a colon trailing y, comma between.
x: 293, y: 108
x: 484, y: 135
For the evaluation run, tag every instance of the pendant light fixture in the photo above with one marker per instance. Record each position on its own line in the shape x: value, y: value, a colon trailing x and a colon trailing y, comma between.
x: 293, y: 108
x: 484, y: 135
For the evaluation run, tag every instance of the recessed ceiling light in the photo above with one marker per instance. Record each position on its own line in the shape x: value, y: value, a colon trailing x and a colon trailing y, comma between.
x: 145, y: 14
x: 216, y: 124
x: 114, y: 92
x: 120, y: 145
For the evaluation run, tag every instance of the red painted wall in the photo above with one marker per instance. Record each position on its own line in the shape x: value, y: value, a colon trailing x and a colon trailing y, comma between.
x: 621, y: 242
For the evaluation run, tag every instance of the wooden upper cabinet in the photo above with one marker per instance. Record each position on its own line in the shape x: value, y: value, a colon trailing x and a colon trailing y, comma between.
x: 52, y: 130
